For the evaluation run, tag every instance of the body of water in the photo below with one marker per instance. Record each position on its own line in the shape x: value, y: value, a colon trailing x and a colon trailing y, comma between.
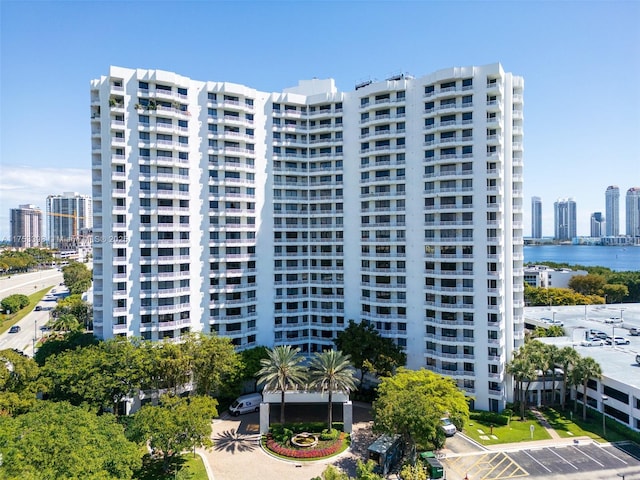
x: 616, y: 258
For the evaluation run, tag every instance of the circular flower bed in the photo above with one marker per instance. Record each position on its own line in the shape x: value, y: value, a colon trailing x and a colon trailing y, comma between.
x: 321, y: 450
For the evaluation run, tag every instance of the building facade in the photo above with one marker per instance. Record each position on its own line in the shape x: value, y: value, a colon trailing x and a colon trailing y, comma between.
x: 612, y: 211
x: 26, y: 227
x: 68, y: 216
x: 633, y: 212
x: 536, y: 217
x: 274, y: 218
x: 565, y: 218
x: 597, y: 222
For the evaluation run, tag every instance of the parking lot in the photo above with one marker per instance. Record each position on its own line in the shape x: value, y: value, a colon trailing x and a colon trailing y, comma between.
x: 587, y: 460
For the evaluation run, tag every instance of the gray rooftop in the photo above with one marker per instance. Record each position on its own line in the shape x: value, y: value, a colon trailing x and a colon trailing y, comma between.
x: 617, y: 362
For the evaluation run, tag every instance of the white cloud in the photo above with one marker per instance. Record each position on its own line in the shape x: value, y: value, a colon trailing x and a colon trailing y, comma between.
x: 20, y: 185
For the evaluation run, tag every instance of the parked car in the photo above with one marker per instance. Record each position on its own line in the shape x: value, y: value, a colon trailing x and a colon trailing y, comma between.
x: 557, y: 323
x: 613, y: 320
x: 597, y: 334
x: 634, y: 332
x: 38, y: 308
x: 592, y: 342
x: 617, y: 340
x: 448, y: 427
x: 14, y: 329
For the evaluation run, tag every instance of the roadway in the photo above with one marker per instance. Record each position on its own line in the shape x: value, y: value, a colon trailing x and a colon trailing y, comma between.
x: 27, y: 284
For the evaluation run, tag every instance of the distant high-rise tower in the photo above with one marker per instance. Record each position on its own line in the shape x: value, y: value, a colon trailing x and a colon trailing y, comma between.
x: 565, y: 219
x: 26, y: 226
x: 536, y: 217
x: 633, y: 212
x: 596, y: 224
x: 612, y: 211
x: 67, y: 215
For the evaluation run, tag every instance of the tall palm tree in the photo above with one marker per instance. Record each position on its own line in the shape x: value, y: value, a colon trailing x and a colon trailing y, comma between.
x: 553, y: 353
x: 523, y: 370
x: 586, y: 369
x: 66, y: 323
x: 332, y: 371
x: 540, y: 356
x: 282, y: 371
x: 567, y: 359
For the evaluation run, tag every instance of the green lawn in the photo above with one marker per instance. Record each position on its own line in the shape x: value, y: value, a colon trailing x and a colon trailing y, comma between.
x: 570, y: 424
x: 6, y: 321
x: 188, y: 466
x: 516, y: 431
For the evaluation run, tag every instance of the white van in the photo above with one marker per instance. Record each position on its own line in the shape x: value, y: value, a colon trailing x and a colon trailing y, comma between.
x: 245, y: 404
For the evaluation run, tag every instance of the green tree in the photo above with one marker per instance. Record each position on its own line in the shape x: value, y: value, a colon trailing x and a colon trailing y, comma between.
x: 282, y: 371
x: 369, y: 351
x: 177, y: 424
x: 413, y: 472
x: 365, y: 471
x: 66, y: 323
x: 215, y: 363
x: 615, y: 293
x: 99, y: 375
x: 524, y: 372
x: 567, y: 359
x: 250, y: 359
x: 74, y: 305
x: 77, y: 277
x: 14, y: 302
x: 590, y: 284
x: 585, y: 369
x: 332, y: 371
x: 411, y: 403
x: 19, y: 382
x: 61, y: 343
x: 57, y: 440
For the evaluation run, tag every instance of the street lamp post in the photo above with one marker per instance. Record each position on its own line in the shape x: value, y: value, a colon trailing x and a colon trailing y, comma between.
x: 604, y: 398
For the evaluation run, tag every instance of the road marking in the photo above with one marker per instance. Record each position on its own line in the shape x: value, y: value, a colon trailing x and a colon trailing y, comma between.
x: 562, y: 458
x: 532, y: 458
x: 588, y: 456
x: 618, y: 458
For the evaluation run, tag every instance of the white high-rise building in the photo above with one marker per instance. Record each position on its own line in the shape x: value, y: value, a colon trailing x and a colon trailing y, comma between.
x: 536, y: 217
x: 275, y: 218
x: 612, y: 211
x: 633, y: 212
x: 565, y: 219
x: 68, y: 215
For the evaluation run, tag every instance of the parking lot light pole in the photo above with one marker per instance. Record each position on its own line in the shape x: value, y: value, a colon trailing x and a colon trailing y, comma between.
x: 604, y: 398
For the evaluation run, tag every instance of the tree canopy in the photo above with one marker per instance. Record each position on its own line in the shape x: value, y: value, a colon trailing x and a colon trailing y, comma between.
x: 369, y: 351
x: 58, y: 440
x: 77, y: 277
x: 175, y: 425
x: 19, y: 383
x: 412, y: 402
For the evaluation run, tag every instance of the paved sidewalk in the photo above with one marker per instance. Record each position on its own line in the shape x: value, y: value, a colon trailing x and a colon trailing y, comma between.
x: 545, y: 424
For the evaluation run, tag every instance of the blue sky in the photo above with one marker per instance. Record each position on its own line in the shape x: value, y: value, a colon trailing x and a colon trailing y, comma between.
x: 580, y: 61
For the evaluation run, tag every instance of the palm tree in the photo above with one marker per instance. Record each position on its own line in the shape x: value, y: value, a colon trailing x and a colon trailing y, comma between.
x: 332, y: 371
x: 282, y: 371
x: 567, y: 359
x: 539, y: 354
x: 66, y: 323
x: 586, y: 369
x: 523, y: 370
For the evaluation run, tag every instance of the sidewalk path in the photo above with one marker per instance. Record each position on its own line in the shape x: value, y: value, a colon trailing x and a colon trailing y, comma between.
x: 543, y: 421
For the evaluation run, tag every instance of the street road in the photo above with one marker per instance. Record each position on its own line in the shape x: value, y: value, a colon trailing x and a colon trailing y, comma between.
x: 27, y: 284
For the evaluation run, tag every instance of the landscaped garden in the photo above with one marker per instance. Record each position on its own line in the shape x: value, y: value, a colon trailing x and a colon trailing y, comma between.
x: 305, y: 441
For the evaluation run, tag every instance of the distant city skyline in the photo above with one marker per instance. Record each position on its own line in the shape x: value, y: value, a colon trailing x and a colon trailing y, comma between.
x: 577, y: 158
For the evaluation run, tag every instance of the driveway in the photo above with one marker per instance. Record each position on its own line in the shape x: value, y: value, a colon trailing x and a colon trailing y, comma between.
x: 237, y: 453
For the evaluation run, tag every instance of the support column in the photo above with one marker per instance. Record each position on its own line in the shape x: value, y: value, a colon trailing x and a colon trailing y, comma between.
x: 347, y: 416
x: 264, y: 418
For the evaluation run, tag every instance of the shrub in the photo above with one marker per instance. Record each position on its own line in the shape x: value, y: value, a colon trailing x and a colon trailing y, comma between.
x: 329, y: 435
x: 489, y: 418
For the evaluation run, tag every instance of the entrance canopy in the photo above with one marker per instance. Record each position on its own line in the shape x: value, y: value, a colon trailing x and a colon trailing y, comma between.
x: 303, y: 396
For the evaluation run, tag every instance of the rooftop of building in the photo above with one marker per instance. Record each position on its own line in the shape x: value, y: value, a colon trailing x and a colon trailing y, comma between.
x: 618, y: 362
